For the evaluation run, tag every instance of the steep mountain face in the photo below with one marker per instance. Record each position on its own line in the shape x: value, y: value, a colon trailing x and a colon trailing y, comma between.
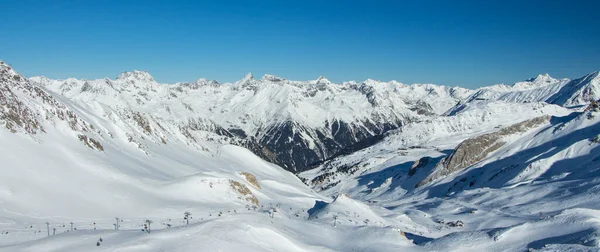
x: 28, y: 108
x: 15, y: 115
x: 292, y: 123
x: 578, y: 92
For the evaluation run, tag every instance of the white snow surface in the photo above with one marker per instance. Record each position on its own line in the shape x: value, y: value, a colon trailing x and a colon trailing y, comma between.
x: 538, y: 191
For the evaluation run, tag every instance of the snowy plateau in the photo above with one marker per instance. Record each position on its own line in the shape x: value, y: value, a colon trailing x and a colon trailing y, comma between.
x: 270, y: 164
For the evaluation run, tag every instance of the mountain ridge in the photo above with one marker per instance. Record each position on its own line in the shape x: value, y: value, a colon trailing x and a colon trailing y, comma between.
x: 295, y: 124
x: 314, y: 119
x: 270, y: 110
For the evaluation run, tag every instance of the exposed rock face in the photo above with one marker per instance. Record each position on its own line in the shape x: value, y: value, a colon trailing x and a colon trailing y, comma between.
x: 24, y: 106
x: 14, y: 114
x: 91, y: 143
x: 475, y: 149
x: 244, y: 192
x: 418, y: 165
x: 136, y: 76
x: 251, y: 179
x: 27, y: 108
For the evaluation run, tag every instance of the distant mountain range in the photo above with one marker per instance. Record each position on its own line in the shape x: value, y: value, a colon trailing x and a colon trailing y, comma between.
x: 296, y: 124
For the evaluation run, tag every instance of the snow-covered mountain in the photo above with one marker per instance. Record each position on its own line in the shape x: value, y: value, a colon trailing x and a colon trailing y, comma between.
x: 396, y: 167
x: 292, y: 123
x: 296, y: 124
x: 69, y: 168
x: 494, y: 176
x: 543, y: 88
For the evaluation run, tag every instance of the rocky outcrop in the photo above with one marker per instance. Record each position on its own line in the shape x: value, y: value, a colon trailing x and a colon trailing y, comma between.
x: 251, y: 179
x: 91, y: 143
x: 14, y: 114
x: 244, y: 192
x: 424, y: 161
x: 475, y: 149
x: 27, y: 108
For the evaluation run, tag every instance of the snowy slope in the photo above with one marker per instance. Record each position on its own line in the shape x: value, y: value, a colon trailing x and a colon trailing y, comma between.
x: 538, y: 190
x: 433, y: 138
x: 398, y: 167
x: 236, y: 232
x: 65, y: 164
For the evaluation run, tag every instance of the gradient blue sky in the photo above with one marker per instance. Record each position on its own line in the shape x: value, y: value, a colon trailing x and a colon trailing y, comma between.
x: 465, y: 43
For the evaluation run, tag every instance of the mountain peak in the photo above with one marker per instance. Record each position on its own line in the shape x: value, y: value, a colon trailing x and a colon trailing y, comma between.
x: 8, y: 71
x: 40, y: 79
x: 322, y: 80
x: 204, y: 81
x: 538, y: 81
x: 543, y: 78
x: 249, y: 76
x: 271, y: 78
x: 371, y: 82
x: 136, y: 75
x: 5, y: 67
x: 247, y: 80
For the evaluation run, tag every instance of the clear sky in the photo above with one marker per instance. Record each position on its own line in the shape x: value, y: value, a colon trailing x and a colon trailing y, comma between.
x: 465, y: 43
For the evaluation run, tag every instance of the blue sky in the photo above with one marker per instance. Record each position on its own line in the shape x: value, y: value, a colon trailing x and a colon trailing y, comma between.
x: 465, y: 43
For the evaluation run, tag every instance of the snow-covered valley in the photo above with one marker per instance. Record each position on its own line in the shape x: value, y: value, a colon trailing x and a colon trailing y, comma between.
x: 272, y: 164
